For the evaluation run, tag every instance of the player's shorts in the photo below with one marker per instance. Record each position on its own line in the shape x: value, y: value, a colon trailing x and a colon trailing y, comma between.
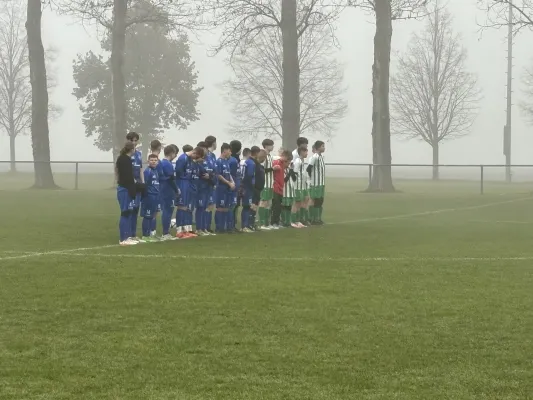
x: 267, y: 194
x: 211, y: 198
x: 287, y: 201
x: 125, y: 202
x: 316, y: 192
x: 300, y: 195
x: 202, y: 199
x: 188, y: 196
x: 137, y: 200
x: 246, y: 198
x: 149, y: 206
x: 159, y: 203
x: 224, y: 198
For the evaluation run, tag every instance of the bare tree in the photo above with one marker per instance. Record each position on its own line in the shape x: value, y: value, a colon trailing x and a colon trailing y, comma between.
x: 433, y: 96
x: 385, y: 12
x: 497, y: 14
x: 526, y: 106
x: 116, y: 16
x: 256, y: 91
x: 244, y: 21
x: 15, y: 87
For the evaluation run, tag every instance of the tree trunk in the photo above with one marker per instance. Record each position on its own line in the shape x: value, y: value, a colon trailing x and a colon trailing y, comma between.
x: 382, y: 177
x: 118, y: 44
x: 40, y: 135
x: 435, y: 147
x: 291, y: 75
x: 12, y: 154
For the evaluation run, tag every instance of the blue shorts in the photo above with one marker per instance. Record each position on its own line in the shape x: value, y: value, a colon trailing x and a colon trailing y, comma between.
x: 137, y: 200
x: 202, y: 199
x: 159, y: 203
x: 247, y: 196
x: 167, y: 200
x: 125, y: 202
x: 188, y: 196
x: 211, y: 198
x: 149, y: 206
x: 224, y: 198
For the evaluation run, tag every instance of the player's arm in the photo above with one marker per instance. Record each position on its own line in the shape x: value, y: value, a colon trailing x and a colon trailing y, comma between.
x: 218, y: 169
x: 181, y: 163
x: 168, y: 175
x: 249, y: 173
x: 311, y: 165
x: 124, y: 170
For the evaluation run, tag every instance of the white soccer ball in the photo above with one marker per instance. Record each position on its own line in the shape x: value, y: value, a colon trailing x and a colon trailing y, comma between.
x: 173, y: 223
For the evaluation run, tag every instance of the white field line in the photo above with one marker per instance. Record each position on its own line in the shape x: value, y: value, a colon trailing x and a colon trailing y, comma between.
x: 322, y: 259
x: 502, y: 222
x: 376, y: 219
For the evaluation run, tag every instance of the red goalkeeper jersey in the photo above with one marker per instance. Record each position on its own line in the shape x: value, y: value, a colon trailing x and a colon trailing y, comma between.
x: 279, y: 178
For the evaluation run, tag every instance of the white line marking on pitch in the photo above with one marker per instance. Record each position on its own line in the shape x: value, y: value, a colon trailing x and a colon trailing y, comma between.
x: 391, y: 217
x: 502, y: 222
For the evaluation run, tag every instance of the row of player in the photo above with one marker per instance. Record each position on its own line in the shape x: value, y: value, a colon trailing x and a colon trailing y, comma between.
x: 273, y: 192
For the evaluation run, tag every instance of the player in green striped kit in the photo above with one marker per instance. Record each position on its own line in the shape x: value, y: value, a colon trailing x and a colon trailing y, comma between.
x: 301, y: 189
x: 317, y: 174
x: 268, y: 192
x: 287, y: 201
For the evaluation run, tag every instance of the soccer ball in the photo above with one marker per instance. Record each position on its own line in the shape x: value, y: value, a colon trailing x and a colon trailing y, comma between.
x: 173, y: 223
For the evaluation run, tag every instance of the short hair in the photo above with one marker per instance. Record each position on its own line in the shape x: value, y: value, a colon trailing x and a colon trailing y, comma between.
x: 301, y: 140
x: 131, y: 136
x: 267, y: 142
x: 236, y: 146
x: 318, y: 143
x: 128, y: 146
x: 170, y: 149
x: 187, y: 148
x: 246, y: 151
x: 155, y: 144
x: 287, y: 155
x: 153, y: 156
x: 176, y: 148
x: 224, y: 147
x: 301, y: 149
x: 254, y: 150
x: 210, y: 140
x: 262, y: 152
x: 202, y: 144
x: 200, y: 152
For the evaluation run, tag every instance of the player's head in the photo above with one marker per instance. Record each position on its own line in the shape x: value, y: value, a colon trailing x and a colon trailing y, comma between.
x: 198, y: 153
x: 261, y: 156
x: 281, y: 150
x: 133, y: 137
x: 268, y: 145
x: 313, y: 149
x: 302, y: 151
x: 128, y: 149
x: 254, y: 151
x: 153, y: 160
x: 301, y: 141
x: 225, y: 151
x: 203, y: 145
x: 211, y: 142
x: 187, y: 148
x: 236, y: 147
x: 285, y: 158
x: 176, y: 149
x: 246, y: 153
x: 170, y: 151
x: 320, y: 146
x: 155, y: 146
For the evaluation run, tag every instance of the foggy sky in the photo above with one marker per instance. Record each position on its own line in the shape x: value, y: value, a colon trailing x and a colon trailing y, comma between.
x: 352, y: 143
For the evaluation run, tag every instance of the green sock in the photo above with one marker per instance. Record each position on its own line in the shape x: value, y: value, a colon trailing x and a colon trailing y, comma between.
x: 305, y: 215
x: 260, y: 215
x: 294, y: 217
x: 320, y: 213
x: 286, y: 217
x: 312, y: 214
x: 301, y: 215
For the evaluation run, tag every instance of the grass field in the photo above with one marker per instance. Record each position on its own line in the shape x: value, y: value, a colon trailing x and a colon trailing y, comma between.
x: 425, y: 294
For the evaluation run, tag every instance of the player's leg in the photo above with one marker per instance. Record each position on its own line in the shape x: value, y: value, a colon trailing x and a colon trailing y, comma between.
x: 256, y: 199
x: 191, y: 206
x: 245, y: 213
x: 208, y: 216
x: 153, y: 227
x: 124, y: 225
x: 276, y: 210
x: 200, y: 213
x: 263, y: 209
x: 321, y: 205
x: 220, y: 213
x: 304, y: 211
x: 313, y: 210
x: 148, y: 211
x: 181, y: 212
x: 134, y: 217
x: 167, y: 207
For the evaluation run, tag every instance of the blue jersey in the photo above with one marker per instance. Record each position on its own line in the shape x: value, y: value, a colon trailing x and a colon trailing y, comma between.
x: 223, y: 170
x: 234, y: 168
x: 151, y: 180
x: 137, y: 162
x: 167, y: 175
x: 248, y: 174
x: 211, y: 166
x: 159, y: 168
x: 187, y: 172
x: 206, y: 167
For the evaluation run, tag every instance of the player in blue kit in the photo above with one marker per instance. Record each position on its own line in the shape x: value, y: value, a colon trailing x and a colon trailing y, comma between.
x: 211, y: 160
x: 151, y: 199
x: 169, y: 191
x: 187, y: 176
x: 126, y: 192
x: 247, y: 188
x: 155, y: 148
x: 205, y: 193
x: 137, y: 162
x: 225, y: 190
x: 234, y: 166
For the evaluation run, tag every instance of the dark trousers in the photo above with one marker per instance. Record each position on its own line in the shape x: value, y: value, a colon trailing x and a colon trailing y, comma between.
x: 276, y: 208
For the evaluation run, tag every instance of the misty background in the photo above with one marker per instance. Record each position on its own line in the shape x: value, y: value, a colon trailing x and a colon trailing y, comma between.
x: 487, y: 53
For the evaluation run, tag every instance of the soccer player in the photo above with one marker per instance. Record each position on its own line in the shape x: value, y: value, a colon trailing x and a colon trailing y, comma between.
x: 211, y: 159
x: 301, y: 141
x: 279, y: 183
x: 301, y: 192
x: 151, y: 198
x: 258, y: 186
x: 155, y: 148
x: 317, y: 174
x: 267, y: 193
x: 169, y: 191
x: 224, y: 190
x: 247, y: 185
x: 126, y: 192
x: 187, y: 175
x: 138, y: 174
x: 205, y: 185
x: 234, y: 165
x: 287, y: 201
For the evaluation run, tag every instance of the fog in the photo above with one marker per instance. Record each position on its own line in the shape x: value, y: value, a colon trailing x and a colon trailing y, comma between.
x: 352, y: 141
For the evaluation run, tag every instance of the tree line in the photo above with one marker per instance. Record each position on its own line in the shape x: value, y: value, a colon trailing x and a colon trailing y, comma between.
x: 286, y: 80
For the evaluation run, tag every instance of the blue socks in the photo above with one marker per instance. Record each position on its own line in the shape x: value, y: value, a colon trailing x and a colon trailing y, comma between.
x: 220, y: 221
x: 208, y: 220
x: 245, y: 216
x: 146, y: 226
x: 134, y: 216
x: 166, y: 216
x: 180, y: 218
x: 200, y: 219
x: 124, y: 226
x: 153, y: 225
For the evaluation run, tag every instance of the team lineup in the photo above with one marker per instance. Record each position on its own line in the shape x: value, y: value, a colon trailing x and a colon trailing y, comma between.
x: 272, y: 192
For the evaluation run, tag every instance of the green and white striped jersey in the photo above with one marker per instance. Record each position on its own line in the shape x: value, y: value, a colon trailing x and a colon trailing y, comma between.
x: 300, y: 167
x: 269, y: 176
x: 318, y: 173
x: 288, y: 188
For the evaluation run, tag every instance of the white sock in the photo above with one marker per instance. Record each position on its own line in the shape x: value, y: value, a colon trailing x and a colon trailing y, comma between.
x: 179, y: 229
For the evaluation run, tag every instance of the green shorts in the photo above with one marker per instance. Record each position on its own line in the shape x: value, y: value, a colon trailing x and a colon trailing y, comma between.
x: 300, y: 195
x: 316, y: 192
x: 267, y: 194
x: 287, y: 201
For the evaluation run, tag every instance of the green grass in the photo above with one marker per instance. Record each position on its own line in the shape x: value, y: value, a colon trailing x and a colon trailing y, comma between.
x: 388, y: 301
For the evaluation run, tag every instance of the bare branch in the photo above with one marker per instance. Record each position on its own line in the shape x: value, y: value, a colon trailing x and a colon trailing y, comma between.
x: 401, y: 9
x: 497, y: 14
x: 526, y: 106
x: 256, y: 91
x: 433, y: 97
